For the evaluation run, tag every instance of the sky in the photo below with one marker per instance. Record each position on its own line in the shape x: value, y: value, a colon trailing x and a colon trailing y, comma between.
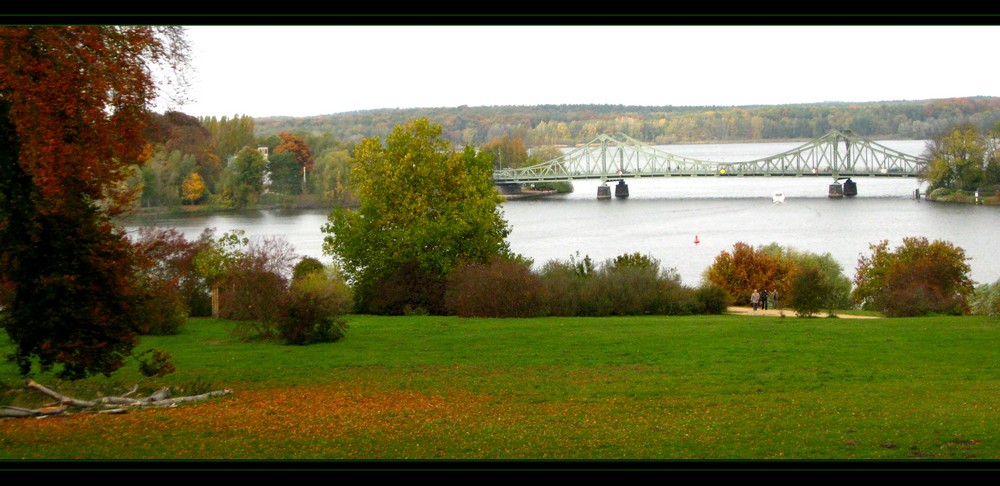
x: 300, y: 71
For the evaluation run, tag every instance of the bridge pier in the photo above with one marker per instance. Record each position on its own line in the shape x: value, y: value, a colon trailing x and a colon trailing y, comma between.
x: 603, y: 191
x: 621, y: 190
x: 850, y: 188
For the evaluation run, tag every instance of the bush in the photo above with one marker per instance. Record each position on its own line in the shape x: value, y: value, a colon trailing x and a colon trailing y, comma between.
x: 562, y: 286
x: 941, y: 193
x: 917, y: 278
x: 253, y: 287
x: 306, y: 266
x: 626, y: 291
x: 407, y: 290
x: 712, y: 299
x: 810, y: 291
x: 986, y: 300
x: 165, y: 277
x: 310, y: 311
x: 162, y: 309
x: 500, y: 288
x: 253, y: 297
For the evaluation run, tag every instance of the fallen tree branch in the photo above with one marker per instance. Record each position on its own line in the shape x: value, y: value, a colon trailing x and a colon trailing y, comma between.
x: 105, y: 405
x: 18, y: 412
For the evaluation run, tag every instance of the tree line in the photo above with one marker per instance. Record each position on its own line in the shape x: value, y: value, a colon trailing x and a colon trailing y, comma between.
x: 546, y: 125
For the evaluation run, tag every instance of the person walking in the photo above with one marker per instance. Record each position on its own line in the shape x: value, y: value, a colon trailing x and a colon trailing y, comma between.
x: 755, y: 299
x: 774, y: 296
x: 763, y: 299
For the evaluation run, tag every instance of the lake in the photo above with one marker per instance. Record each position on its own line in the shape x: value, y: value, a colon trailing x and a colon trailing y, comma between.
x: 662, y: 217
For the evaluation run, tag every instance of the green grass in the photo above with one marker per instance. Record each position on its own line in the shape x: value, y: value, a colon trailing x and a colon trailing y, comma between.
x: 425, y: 387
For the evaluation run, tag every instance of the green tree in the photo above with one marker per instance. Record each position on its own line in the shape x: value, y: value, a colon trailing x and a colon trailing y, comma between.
x: 243, y: 178
x: 837, y: 283
x: 916, y: 278
x: 285, y: 174
x: 331, y: 178
x: 811, y: 290
x: 230, y: 135
x: 421, y: 206
x: 957, y: 159
x: 73, y: 113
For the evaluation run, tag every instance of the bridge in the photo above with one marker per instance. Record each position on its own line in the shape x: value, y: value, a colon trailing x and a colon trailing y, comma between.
x: 839, y: 154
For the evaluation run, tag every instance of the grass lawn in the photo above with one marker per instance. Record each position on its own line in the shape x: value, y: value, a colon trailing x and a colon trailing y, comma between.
x: 629, y: 388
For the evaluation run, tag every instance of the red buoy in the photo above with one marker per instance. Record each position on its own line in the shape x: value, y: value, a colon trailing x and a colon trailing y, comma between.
x: 696, y: 239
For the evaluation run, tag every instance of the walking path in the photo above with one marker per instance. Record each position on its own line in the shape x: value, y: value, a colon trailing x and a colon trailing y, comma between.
x: 788, y: 313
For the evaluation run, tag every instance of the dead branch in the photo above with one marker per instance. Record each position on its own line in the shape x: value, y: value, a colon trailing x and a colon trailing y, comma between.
x: 104, y: 405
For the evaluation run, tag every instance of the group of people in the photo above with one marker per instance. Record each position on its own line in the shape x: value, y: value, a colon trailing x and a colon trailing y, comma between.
x: 760, y: 299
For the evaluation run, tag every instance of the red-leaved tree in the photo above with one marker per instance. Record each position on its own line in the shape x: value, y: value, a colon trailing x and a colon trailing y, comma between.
x: 73, y: 109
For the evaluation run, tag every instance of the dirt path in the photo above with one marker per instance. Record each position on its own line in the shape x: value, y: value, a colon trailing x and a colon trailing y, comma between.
x: 788, y: 313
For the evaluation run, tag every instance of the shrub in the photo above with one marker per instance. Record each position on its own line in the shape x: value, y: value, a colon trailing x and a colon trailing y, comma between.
x: 253, y: 286
x: 810, y: 291
x: 408, y: 289
x: 627, y: 290
x: 164, y: 276
x: 562, y: 286
x: 310, y: 311
x: 986, y: 300
x: 915, y: 289
x: 712, y: 299
x: 941, y: 193
x: 499, y: 288
x: 157, y: 366
x: 917, y: 278
x: 252, y: 296
x: 306, y: 266
x: 161, y: 308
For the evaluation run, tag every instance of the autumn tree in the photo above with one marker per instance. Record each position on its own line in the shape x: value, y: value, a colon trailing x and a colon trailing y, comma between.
x: 422, y: 209
x: 193, y: 188
x: 507, y: 152
x: 73, y: 109
x: 744, y: 269
x: 957, y: 159
x: 916, y: 278
x: 295, y: 145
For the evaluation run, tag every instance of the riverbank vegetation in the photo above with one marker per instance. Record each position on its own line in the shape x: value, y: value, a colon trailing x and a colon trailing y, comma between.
x: 964, y: 165
x: 679, y: 388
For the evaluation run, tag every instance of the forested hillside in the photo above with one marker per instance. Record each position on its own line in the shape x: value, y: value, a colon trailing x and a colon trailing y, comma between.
x: 569, y: 124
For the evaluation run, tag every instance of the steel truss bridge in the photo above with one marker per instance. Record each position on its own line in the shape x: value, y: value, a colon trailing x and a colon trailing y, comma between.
x: 839, y: 154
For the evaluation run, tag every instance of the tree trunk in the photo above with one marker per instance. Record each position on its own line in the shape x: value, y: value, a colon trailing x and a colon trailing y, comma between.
x: 215, y: 301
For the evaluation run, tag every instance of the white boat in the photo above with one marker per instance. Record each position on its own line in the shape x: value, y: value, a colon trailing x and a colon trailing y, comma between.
x: 779, y: 197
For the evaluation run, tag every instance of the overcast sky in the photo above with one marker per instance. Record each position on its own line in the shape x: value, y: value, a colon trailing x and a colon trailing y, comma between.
x: 314, y: 70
